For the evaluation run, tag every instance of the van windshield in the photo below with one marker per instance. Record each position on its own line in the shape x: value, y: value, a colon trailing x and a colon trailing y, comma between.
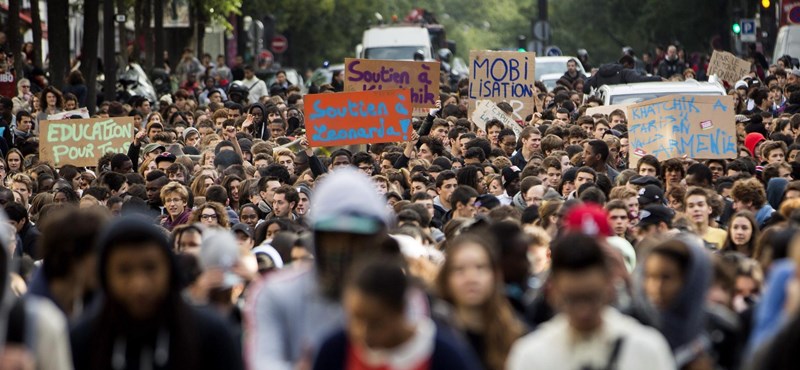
x: 392, y: 53
x: 636, y: 98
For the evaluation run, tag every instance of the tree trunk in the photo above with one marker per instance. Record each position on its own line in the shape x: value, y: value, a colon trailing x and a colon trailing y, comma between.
x: 158, y: 14
x: 147, y: 16
x: 15, y: 38
x: 138, y: 30
x: 91, y: 29
x: 200, y: 29
x: 58, y: 36
x: 36, y: 19
x: 123, y: 35
x: 109, y: 62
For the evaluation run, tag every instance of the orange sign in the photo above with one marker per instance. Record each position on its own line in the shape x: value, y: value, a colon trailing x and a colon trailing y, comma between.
x: 358, y: 117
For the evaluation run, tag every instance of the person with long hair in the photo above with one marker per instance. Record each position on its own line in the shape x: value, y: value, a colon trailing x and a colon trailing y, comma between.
x: 231, y: 184
x: 743, y: 235
x: 50, y: 102
x: 15, y: 161
x: 472, y: 281
x: 200, y: 184
x: 147, y: 166
x: 211, y: 214
x: 142, y: 320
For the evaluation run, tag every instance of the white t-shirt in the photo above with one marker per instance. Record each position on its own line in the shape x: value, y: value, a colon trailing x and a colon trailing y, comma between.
x: 556, y: 346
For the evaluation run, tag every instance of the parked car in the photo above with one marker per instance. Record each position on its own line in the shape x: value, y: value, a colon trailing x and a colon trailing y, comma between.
x: 638, y: 92
x: 555, y: 65
x: 268, y: 75
x: 324, y: 75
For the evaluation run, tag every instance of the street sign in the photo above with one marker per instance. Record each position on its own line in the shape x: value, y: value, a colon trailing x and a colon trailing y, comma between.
x: 541, y: 30
x: 279, y: 44
x: 121, y: 18
x: 748, y: 30
x: 553, y: 51
x: 794, y: 14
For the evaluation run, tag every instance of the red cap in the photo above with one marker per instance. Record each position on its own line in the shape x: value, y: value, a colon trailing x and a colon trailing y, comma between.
x: 588, y: 219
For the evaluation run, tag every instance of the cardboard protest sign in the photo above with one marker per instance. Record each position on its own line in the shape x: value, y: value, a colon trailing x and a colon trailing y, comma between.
x: 607, y: 109
x: 487, y: 110
x: 422, y: 78
x: 83, y: 112
x: 701, y: 127
x: 81, y: 142
x: 502, y: 76
x: 358, y: 117
x: 728, y: 67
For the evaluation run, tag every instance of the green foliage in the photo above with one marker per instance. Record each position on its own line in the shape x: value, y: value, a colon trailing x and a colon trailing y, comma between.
x: 218, y: 10
x: 604, y: 27
x: 330, y: 29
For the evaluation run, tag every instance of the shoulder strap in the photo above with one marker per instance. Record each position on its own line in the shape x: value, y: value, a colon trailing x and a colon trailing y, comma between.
x: 16, y: 323
x: 614, y: 355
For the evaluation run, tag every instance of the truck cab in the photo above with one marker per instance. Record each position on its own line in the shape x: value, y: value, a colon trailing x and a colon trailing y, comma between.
x: 395, y: 43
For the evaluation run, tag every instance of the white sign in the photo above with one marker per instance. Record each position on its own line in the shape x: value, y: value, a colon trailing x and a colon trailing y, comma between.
x: 83, y: 112
x: 487, y: 110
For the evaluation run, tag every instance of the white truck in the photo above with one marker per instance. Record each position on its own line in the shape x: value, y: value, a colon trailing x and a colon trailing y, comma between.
x: 395, y: 43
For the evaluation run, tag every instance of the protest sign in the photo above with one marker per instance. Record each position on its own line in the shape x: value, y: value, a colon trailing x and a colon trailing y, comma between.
x: 422, y: 78
x: 727, y: 67
x: 358, y: 117
x: 701, y: 127
x: 81, y: 142
x: 82, y: 112
x: 487, y: 110
x: 502, y: 76
x: 606, y: 109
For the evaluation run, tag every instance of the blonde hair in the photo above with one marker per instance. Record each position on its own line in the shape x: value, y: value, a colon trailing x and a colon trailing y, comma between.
x: 174, y: 187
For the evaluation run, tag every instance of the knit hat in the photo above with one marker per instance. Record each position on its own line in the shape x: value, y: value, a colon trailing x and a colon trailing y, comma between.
x: 188, y: 131
x: 751, y: 141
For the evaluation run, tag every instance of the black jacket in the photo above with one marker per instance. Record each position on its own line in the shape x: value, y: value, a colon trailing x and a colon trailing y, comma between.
x: 615, y: 74
x: 668, y: 68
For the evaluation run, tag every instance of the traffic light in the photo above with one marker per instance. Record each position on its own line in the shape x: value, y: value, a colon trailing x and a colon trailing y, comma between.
x: 736, y: 28
x: 521, y: 43
x: 766, y: 3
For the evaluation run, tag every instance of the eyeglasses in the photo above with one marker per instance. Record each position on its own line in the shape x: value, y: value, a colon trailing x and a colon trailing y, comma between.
x: 25, y: 86
x: 173, y: 200
x: 365, y: 168
x: 208, y: 217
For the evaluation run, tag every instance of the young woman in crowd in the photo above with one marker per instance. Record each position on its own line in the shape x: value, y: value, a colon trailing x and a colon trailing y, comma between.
x: 471, y: 280
x: 743, y: 235
x: 211, y: 214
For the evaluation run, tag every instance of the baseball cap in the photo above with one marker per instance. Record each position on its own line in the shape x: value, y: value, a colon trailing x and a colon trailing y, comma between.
x: 645, y: 180
x: 740, y: 85
x: 165, y: 157
x: 243, y: 228
x: 650, y: 194
x: 655, y: 214
x: 588, y: 219
x: 219, y: 249
x: 346, y: 201
x: 153, y: 146
x: 510, y: 173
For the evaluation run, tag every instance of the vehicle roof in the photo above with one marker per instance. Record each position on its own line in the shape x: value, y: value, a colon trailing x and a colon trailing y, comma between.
x: 661, y: 87
x: 395, y: 36
x: 551, y: 76
x: 561, y: 59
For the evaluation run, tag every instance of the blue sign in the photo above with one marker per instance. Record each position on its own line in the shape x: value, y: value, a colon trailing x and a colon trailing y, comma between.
x: 748, y: 27
x: 553, y: 51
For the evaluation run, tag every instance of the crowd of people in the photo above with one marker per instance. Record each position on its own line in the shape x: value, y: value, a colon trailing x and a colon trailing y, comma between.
x: 221, y: 239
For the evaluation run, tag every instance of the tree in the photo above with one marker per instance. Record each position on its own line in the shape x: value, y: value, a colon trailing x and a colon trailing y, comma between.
x: 58, y: 35
x: 123, y: 35
x: 109, y: 62
x: 158, y: 33
x: 14, y: 39
x: 36, y: 27
x: 91, y: 29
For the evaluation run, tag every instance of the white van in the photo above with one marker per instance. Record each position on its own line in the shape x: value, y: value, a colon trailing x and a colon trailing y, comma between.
x: 395, y: 43
x: 787, y: 43
x: 627, y: 94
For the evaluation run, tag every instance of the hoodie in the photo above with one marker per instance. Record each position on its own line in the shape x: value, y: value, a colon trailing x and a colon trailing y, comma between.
x: 260, y: 129
x: 775, y: 190
x: 770, y: 314
x: 176, y: 336
x: 683, y: 324
x: 751, y: 141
